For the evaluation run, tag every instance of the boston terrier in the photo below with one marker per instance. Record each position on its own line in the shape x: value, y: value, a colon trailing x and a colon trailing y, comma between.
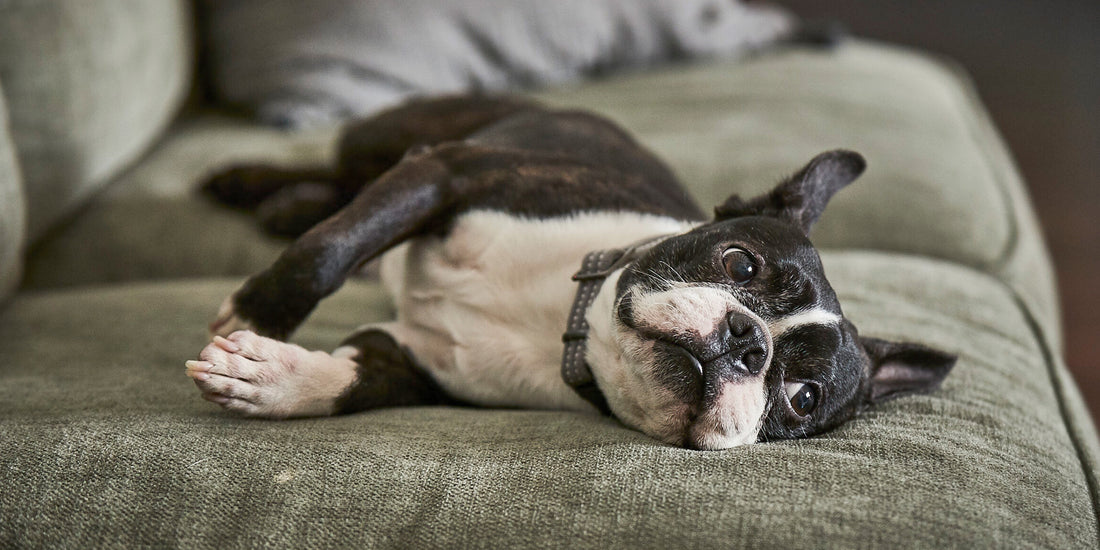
x: 542, y: 258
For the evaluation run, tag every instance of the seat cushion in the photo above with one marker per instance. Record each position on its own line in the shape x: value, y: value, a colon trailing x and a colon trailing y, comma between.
x: 151, y: 223
x: 928, y: 188
x: 106, y: 440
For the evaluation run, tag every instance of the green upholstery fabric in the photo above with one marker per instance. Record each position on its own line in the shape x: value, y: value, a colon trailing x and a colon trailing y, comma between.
x: 151, y: 224
x: 12, y: 210
x: 106, y: 442
x: 90, y: 85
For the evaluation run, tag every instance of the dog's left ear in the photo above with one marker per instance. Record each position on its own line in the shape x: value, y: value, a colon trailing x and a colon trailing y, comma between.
x: 801, y: 198
x: 899, y: 368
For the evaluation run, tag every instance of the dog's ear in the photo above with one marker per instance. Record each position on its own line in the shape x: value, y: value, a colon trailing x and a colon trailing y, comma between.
x: 801, y: 198
x: 901, y: 368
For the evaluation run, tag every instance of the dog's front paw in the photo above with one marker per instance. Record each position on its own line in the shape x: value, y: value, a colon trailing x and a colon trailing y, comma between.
x: 261, y: 377
x: 229, y: 321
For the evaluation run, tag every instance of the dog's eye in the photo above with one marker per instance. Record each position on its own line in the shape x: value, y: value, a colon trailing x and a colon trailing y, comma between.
x: 740, y: 265
x: 803, y: 397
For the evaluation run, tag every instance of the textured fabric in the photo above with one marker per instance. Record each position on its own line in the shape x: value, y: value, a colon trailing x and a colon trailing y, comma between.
x: 89, y: 86
x: 106, y: 443
x: 12, y: 210
x: 151, y: 224
x: 304, y: 63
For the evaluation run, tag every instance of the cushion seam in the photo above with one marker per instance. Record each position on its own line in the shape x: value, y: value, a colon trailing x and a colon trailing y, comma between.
x: 980, y: 127
x: 1054, y: 377
x: 1068, y: 422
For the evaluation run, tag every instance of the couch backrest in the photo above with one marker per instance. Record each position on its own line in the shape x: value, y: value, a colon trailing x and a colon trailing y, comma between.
x: 89, y: 86
x: 12, y: 209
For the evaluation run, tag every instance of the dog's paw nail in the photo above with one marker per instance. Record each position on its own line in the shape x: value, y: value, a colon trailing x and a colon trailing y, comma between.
x: 202, y: 366
x: 226, y: 344
x: 198, y: 370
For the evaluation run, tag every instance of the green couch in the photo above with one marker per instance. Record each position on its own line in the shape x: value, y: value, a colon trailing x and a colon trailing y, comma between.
x: 104, y: 442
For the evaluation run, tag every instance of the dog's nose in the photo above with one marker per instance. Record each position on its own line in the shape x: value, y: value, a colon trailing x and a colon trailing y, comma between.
x: 746, y: 343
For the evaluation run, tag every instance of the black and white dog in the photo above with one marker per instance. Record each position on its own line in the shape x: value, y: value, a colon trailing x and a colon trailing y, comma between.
x: 703, y: 334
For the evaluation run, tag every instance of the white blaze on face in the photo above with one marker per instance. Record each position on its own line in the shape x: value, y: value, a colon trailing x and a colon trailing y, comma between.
x: 815, y: 316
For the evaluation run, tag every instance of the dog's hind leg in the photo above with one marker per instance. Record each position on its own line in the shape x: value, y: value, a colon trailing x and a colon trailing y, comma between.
x: 248, y: 185
x: 261, y: 377
x: 373, y: 145
x: 290, y: 200
x: 287, y: 201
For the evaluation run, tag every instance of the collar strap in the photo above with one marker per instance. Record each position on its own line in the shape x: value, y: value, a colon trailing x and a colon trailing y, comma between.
x: 594, y: 270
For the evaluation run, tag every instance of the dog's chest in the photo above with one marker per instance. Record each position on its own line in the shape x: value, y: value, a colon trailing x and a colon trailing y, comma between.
x: 483, y: 309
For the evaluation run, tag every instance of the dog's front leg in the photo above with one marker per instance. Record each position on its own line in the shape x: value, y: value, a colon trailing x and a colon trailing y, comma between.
x: 260, y: 377
x: 403, y: 202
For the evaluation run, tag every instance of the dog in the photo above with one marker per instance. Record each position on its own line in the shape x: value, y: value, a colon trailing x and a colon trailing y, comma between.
x: 542, y: 258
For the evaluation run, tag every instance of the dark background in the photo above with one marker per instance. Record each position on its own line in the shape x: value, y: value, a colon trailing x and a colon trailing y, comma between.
x: 1037, y: 67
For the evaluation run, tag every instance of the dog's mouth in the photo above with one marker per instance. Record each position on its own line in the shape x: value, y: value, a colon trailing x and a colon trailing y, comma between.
x: 692, y: 363
x: 724, y: 413
x: 685, y: 373
x: 688, y: 372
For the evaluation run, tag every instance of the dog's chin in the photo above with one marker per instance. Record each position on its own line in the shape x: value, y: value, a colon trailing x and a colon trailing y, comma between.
x: 734, y: 419
x: 731, y: 417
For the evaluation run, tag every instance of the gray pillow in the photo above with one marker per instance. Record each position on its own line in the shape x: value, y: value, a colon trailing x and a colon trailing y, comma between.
x: 12, y: 209
x: 304, y: 63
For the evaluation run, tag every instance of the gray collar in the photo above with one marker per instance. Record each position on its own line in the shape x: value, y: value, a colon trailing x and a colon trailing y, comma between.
x: 593, y: 272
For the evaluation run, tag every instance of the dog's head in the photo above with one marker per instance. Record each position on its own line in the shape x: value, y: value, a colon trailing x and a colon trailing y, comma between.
x: 730, y: 334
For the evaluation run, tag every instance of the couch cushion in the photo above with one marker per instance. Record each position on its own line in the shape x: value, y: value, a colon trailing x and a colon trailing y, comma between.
x: 12, y: 209
x: 106, y: 442
x: 299, y: 64
x: 89, y: 86
x: 151, y: 224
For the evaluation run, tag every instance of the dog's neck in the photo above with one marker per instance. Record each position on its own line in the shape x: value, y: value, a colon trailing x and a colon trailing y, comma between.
x: 597, y: 265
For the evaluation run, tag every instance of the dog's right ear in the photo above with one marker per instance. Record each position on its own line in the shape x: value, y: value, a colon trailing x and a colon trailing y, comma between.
x: 900, y: 368
x: 801, y: 198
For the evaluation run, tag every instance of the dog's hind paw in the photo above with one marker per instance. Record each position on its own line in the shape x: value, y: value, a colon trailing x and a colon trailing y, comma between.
x: 242, y: 186
x: 257, y: 376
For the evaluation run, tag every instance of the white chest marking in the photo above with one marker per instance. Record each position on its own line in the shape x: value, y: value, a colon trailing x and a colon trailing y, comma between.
x: 484, y: 308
